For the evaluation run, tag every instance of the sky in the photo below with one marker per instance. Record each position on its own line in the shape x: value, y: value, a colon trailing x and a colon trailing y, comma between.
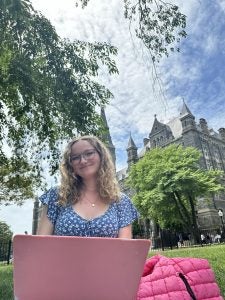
x: 195, y: 74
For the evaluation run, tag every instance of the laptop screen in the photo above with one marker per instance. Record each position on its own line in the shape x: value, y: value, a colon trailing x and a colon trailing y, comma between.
x: 77, y: 268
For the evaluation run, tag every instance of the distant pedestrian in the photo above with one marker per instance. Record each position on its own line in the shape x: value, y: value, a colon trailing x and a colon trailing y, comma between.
x: 212, y: 237
x: 203, y: 239
x: 208, y: 239
x: 180, y: 240
x: 217, y: 238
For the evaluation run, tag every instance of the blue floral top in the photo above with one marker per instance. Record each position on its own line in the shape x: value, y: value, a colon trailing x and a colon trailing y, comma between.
x: 67, y: 222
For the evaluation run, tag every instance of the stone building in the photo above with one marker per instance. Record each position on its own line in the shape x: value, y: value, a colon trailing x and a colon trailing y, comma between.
x: 186, y: 131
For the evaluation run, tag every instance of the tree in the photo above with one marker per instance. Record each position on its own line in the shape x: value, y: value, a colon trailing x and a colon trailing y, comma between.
x: 5, y: 232
x: 48, y: 90
x: 158, y: 24
x: 167, y: 183
x: 17, y: 181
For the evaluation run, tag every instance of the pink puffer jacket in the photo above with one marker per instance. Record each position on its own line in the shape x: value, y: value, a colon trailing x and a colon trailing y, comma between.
x: 178, y: 279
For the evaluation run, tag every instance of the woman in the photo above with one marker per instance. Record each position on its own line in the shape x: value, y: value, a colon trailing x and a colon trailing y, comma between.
x: 88, y: 201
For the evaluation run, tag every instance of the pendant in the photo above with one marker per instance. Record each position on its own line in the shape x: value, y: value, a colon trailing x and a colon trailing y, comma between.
x: 93, y: 205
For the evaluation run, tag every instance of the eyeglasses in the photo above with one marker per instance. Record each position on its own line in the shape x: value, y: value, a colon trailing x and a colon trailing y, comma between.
x: 87, y: 155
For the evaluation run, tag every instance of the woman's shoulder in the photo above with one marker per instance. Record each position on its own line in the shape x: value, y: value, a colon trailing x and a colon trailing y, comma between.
x: 124, y: 197
x: 50, y: 195
x: 123, y: 200
x: 126, y: 211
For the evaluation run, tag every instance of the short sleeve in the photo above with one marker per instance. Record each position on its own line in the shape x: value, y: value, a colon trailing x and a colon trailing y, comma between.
x: 50, y: 199
x: 127, y: 213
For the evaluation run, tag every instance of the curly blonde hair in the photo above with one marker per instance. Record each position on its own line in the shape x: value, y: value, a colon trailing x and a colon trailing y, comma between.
x: 71, y: 185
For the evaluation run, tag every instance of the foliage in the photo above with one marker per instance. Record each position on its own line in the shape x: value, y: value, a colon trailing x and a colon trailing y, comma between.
x: 48, y: 90
x: 136, y: 230
x: 17, y: 181
x: 214, y: 254
x: 167, y: 182
x: 5, y: 232
x: 159, y: 24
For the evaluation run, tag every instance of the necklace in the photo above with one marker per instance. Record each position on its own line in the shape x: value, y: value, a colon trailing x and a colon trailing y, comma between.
x: 93, y: 204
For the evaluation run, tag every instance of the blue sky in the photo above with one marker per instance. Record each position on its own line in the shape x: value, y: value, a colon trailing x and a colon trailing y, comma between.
x: 196, y: 74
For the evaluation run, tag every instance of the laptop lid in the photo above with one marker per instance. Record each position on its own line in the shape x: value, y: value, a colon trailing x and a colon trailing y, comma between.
x: 77, y: 268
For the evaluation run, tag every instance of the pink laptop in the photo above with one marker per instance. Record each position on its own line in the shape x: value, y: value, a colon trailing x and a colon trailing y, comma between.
x: 77, y: 268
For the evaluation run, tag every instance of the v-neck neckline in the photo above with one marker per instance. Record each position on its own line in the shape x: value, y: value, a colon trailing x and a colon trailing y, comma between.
x: 93, y: 219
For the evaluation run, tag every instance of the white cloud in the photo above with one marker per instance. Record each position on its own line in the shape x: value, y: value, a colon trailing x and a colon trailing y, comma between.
x: 221, y: 3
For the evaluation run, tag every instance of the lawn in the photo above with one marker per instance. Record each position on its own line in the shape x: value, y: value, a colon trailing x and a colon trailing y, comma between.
x: 6, y: 282
x: 215, y: 255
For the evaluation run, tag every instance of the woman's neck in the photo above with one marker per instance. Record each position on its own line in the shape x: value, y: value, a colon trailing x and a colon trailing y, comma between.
x: 90, y: 186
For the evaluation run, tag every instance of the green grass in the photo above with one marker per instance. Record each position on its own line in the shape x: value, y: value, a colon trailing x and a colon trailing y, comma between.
x: 6, y: 282
x: 215, y: 255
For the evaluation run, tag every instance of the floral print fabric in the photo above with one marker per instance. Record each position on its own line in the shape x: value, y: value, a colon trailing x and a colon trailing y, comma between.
x: 67, y: 222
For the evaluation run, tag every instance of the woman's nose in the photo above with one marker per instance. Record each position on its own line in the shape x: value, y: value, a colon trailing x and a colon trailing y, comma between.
x: 82, y: 158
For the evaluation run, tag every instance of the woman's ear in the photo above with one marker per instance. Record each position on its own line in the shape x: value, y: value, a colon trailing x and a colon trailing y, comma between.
x: 74, y: 175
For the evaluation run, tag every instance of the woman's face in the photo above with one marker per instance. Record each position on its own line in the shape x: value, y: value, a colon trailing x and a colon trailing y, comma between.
x: 85, y: 160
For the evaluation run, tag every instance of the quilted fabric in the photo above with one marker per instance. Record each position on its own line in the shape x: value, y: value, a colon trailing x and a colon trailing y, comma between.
x: 161, y: 281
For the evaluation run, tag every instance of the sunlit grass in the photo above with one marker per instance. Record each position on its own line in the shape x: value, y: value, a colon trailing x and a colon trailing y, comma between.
x: 6, y: 282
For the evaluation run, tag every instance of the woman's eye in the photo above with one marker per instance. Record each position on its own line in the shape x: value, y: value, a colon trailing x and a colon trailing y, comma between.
x: 75, y: 158
x: 89, y: 153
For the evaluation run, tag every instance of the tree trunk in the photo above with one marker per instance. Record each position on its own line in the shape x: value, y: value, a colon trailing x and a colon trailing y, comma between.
x: 195, y: 229
x: 182, y: 210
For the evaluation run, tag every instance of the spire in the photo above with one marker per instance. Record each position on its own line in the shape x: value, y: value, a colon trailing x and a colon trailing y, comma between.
x: 103, y: 116
x: 187, y: 119
x: 107, y: 137
x: 132, y: 155
x: 185, y: 110
x: 131, y: 143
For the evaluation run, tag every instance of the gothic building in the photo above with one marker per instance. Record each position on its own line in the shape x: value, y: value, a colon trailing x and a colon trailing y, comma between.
x: 186, y: 131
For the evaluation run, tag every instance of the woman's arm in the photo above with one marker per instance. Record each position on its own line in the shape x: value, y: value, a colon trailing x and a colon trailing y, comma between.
x: 125, y: 232
x: 45, y: 226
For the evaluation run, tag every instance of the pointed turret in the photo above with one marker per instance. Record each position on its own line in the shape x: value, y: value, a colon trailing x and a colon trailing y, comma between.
x: 132, y: 155
x: 187, y: 119
x: 107, y: 137
x: 185, y: 110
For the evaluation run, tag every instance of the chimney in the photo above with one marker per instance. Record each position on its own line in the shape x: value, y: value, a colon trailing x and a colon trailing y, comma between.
x: 222, y: 133
x: 145, y: 141
x: 204, y: 126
